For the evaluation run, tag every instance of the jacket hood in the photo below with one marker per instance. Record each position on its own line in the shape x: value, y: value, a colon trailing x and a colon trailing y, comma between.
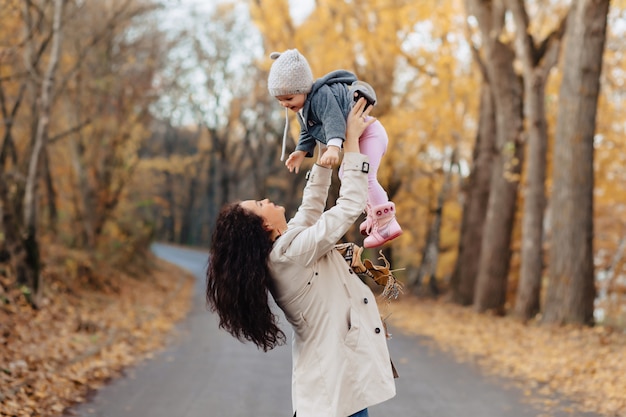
x: 338, y: 76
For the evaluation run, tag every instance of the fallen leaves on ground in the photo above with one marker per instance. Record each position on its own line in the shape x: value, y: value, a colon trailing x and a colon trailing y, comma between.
x: 585, y: 366
x: 93, y: 322
x: 96, y: 321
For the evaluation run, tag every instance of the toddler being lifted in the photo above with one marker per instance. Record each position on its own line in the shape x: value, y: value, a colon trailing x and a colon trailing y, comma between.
x: 322, y: 107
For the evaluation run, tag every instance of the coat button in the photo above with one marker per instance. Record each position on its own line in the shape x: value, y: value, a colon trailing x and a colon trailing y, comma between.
x: 377, y: 330
x: 365, y: 300
x: 350, y: 271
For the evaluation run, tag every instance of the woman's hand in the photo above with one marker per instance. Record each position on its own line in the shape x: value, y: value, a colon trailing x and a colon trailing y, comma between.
x: 358, y: 121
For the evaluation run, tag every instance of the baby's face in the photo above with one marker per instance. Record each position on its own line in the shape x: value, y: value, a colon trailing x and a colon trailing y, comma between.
x: 293, y: 102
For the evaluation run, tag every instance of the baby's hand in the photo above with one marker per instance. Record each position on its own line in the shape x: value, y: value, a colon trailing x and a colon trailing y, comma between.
x: 330, y: 157
x: 295, y: 160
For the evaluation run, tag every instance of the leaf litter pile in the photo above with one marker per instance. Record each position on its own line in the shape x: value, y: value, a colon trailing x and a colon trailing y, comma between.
x: 93, y: 321
x: 584, y: 366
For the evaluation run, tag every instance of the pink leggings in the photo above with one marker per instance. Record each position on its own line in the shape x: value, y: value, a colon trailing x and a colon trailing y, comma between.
x: 373, y: 143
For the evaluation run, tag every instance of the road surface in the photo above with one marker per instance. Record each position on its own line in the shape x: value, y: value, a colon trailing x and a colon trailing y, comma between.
x: 207, y: 373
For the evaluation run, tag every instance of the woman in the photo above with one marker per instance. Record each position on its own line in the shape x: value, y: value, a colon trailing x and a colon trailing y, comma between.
x: 341, y: 364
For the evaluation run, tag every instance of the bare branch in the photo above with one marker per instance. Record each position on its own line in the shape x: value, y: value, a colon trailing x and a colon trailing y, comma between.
x: 7, y: 143
x: 526, y: 44
x: 97, y: 37
x: 554, y: 36
x: 413, y: 63
x: 30, y: 57
x: 67, y: 132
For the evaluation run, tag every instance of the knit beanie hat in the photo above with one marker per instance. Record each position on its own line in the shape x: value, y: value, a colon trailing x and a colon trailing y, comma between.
x: 290, y: 74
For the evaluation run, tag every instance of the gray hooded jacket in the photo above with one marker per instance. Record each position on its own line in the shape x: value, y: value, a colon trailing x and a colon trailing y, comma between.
x: 325, y: 110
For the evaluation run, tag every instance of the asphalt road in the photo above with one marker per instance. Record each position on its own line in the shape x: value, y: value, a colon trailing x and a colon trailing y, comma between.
x: 206, y: 373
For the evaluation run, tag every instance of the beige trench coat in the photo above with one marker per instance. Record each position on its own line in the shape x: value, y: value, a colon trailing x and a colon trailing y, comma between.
x: 341, y: 363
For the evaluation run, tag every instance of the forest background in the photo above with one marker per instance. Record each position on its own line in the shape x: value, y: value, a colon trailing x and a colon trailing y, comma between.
x: 130, y: 121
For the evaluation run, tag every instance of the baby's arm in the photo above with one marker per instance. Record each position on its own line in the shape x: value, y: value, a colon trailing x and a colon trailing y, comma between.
x: 295, y: 160
x: 331, y: 156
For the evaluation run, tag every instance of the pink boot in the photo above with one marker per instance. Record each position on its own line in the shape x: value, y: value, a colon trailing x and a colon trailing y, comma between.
x: 366, y: 227
x: 385, y: 227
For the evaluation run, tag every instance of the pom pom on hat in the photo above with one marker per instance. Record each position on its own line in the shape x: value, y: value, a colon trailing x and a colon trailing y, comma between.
x: 290, y: 74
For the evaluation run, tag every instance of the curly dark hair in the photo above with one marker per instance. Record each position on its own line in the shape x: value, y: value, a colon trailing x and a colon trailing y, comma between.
x: 238, y: 278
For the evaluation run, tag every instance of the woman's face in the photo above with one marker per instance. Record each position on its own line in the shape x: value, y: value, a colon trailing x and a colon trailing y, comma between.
x: 293, y: 102
x: 273, y: 215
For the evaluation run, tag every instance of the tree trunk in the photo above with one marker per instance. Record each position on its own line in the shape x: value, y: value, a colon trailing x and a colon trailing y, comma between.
x: 430, y: 255
x: 85, y: 211
x: 216, y: 182
x: 463, y: 279
x: 169, y: 219
x: 13, y: 243
x: 495, y: 255
x: 506, y: 86
x: 51, y: 195
x: 531, y: 270
x: 32, y: 260
x: 571, y: 290
x: 537, y: 64
x: 12, y: 246
x: 188, y: 220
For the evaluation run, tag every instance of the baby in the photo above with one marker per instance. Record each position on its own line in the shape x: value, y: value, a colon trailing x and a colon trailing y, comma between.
x: 322, y: 107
